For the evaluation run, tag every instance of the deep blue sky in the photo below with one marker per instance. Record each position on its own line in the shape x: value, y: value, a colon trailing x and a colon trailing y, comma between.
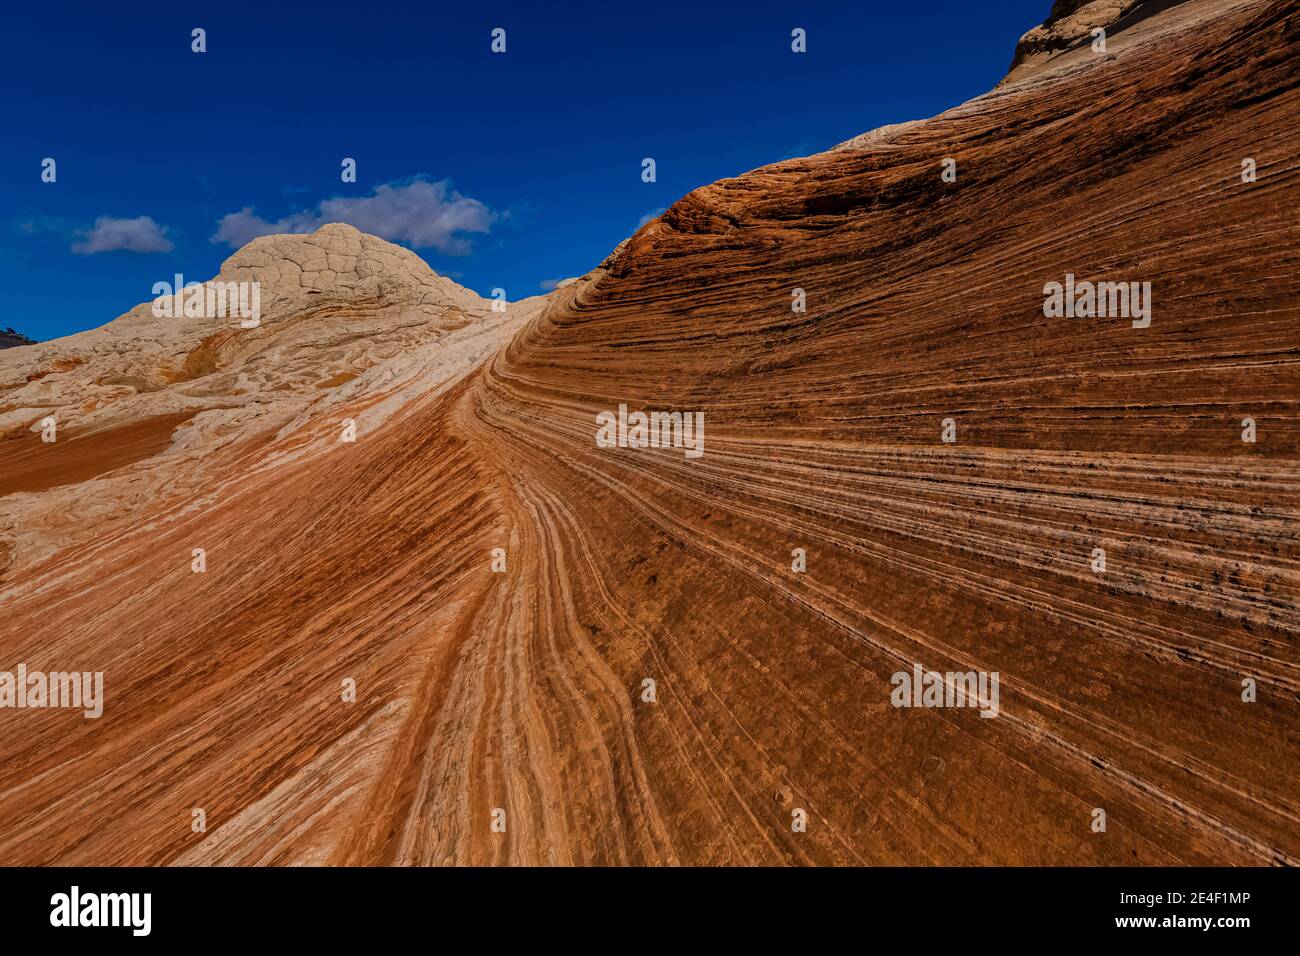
x: 549, y: 137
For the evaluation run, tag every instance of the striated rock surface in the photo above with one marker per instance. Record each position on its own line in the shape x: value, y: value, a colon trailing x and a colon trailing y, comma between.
x: 502, y: 712
x: 1071, y: 23
x: 1066, y: 38
x: 344, y: 318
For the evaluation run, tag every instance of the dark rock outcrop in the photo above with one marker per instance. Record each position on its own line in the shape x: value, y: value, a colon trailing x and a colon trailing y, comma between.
x: 10, y: 339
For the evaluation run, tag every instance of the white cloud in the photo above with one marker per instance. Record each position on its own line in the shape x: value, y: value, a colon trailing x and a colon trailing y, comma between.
x: 652, y: 215
x: 141, y: 234
x: 428, y: 215
x: 549, y: 284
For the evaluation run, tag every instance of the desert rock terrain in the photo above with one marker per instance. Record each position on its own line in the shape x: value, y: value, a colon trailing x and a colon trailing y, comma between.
x: 501, y: 713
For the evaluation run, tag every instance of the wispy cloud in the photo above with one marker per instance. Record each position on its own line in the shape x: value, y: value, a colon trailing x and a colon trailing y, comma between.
x: 39, y: 224
x: 652, y: 215
x: 428, y: 215
x: 141, y: 234
x: 805, y: 147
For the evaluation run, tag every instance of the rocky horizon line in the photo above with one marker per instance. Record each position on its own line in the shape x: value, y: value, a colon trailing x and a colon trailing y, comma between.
x: 1067, y: 25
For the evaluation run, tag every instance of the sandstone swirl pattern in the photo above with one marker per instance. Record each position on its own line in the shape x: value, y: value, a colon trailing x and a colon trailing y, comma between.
x: 521, y: 690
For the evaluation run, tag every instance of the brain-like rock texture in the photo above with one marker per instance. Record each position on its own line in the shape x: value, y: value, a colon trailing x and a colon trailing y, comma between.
x: 565, y: 653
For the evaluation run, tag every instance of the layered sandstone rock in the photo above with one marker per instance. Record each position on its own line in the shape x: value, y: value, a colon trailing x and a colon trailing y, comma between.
x: 499, y: 588
x: 152, y: 405
x: 1071, y: 23
x: 1069, y: 36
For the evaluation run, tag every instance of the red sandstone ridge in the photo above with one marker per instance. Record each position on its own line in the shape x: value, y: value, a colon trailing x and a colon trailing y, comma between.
x: 518, y: 695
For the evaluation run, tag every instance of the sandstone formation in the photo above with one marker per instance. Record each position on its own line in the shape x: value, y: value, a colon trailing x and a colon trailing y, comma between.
x: 345, y: 317
x: 501, y: 711
x: 1068, y: 34
x: 10, y: 339
x: 1070, y: 24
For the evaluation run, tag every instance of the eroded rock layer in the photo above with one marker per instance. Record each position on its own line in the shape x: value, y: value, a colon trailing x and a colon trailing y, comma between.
x: 501, y: 713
